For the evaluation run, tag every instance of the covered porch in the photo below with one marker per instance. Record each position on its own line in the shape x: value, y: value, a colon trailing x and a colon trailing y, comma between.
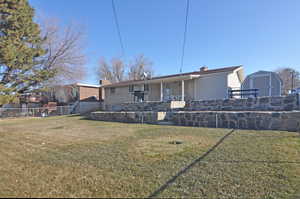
x: 161, y: 89
x: 178, y: 88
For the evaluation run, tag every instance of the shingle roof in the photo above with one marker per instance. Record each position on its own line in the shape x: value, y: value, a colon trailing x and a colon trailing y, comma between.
x: 206, y: 72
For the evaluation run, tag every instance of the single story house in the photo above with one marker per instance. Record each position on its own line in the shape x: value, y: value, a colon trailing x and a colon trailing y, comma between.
x: 203, y: 84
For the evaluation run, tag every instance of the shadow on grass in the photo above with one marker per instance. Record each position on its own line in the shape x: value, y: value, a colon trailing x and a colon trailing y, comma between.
x: 73, y: 115
x: 271, y: 136
x: 252, y: 161
x: 185, y: 169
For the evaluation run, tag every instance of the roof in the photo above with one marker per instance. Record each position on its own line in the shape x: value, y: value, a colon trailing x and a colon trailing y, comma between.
x: 268, y: 72
x: 196, y: 73
x: 88, y: 85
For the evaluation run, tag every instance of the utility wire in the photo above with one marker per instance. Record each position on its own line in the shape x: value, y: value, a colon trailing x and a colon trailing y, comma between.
x: 118, y: 27
x: 185, y: 31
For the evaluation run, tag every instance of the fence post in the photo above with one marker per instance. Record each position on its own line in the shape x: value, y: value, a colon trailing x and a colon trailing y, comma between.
x: 217, y: 120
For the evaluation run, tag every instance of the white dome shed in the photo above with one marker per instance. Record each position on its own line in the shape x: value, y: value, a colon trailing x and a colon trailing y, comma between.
x: 268, y: 83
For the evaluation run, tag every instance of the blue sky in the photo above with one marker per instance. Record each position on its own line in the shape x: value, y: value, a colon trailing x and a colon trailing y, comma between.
x: 258, y: 34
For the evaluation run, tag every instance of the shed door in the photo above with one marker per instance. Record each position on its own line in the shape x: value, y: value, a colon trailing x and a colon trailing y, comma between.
x: 261, y: 82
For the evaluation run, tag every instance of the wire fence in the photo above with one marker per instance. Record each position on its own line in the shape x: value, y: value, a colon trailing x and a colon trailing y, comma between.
x: 36, y: 112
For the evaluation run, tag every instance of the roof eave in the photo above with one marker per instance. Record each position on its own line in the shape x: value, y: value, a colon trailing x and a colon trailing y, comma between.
x: 158, y: 80
x: 88, y: 85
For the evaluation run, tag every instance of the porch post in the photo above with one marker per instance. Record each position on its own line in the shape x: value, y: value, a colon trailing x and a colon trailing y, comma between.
x: 161, y: 91
x: 182, y: 90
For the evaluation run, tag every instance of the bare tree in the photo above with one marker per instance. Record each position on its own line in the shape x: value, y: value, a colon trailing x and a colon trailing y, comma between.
x: 104, y: 70
x: 64, y: 51
x: 114, y: 72
x: 140, y: 65
x: 290, y: 79
x: 117, y: 70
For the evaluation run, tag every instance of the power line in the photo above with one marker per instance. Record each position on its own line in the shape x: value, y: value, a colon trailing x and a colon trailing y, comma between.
x: 118, y: 27
x: 185, y: 31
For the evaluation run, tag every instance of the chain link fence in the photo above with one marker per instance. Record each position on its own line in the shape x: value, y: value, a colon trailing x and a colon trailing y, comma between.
x: 36, y: 112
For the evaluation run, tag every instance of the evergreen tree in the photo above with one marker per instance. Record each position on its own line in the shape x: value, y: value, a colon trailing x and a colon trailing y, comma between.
x: 21, y: 52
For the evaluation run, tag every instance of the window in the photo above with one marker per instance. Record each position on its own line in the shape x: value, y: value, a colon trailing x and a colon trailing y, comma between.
x: 112, y: 90
x: 131, y: 88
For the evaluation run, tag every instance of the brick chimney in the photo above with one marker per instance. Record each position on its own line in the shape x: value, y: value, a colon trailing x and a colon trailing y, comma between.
x: 104, y: 82
x: 203, y: 68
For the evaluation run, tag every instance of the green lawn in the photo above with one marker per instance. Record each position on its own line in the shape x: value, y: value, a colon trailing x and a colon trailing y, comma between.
x: 72, y: 157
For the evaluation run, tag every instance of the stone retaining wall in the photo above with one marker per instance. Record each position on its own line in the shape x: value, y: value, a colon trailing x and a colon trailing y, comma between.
x: 256, y: 120
x: 146, y: 106
x: 284, y: 103
x: 128, y: 117
x: 289, y: 121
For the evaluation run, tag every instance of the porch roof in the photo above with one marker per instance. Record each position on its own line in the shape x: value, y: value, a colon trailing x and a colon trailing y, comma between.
x: 153, y: 80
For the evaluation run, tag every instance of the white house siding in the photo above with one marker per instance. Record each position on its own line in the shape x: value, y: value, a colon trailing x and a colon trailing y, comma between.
x: 154, y: 93
x: 212, y: 86
x: 234, y: 81
x: 121, y: 95
x: 189, y: 89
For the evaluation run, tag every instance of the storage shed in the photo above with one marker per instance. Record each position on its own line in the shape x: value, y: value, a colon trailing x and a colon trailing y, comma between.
x: 268, y: 83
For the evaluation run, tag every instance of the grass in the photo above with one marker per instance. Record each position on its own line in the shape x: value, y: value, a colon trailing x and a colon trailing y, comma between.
x: 72, y: 157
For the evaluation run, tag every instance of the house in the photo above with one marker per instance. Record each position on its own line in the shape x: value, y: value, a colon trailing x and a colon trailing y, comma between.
x: 66, y: 94
x: 267, y: 83
x: 62, y: 95
x: 203, y: 84
x: 88, y: 92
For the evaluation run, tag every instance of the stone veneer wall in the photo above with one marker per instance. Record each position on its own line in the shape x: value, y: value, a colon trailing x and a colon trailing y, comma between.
x: 128, y: 117
x: 289, y: 121
x: 265, y: 113
x: 146, y: 106
x: 284, y: 103
x: 256, y: 120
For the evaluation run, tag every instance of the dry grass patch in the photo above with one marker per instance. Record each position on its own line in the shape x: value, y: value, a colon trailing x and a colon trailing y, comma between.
x: 172, y: 145
x: 74, y: 157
